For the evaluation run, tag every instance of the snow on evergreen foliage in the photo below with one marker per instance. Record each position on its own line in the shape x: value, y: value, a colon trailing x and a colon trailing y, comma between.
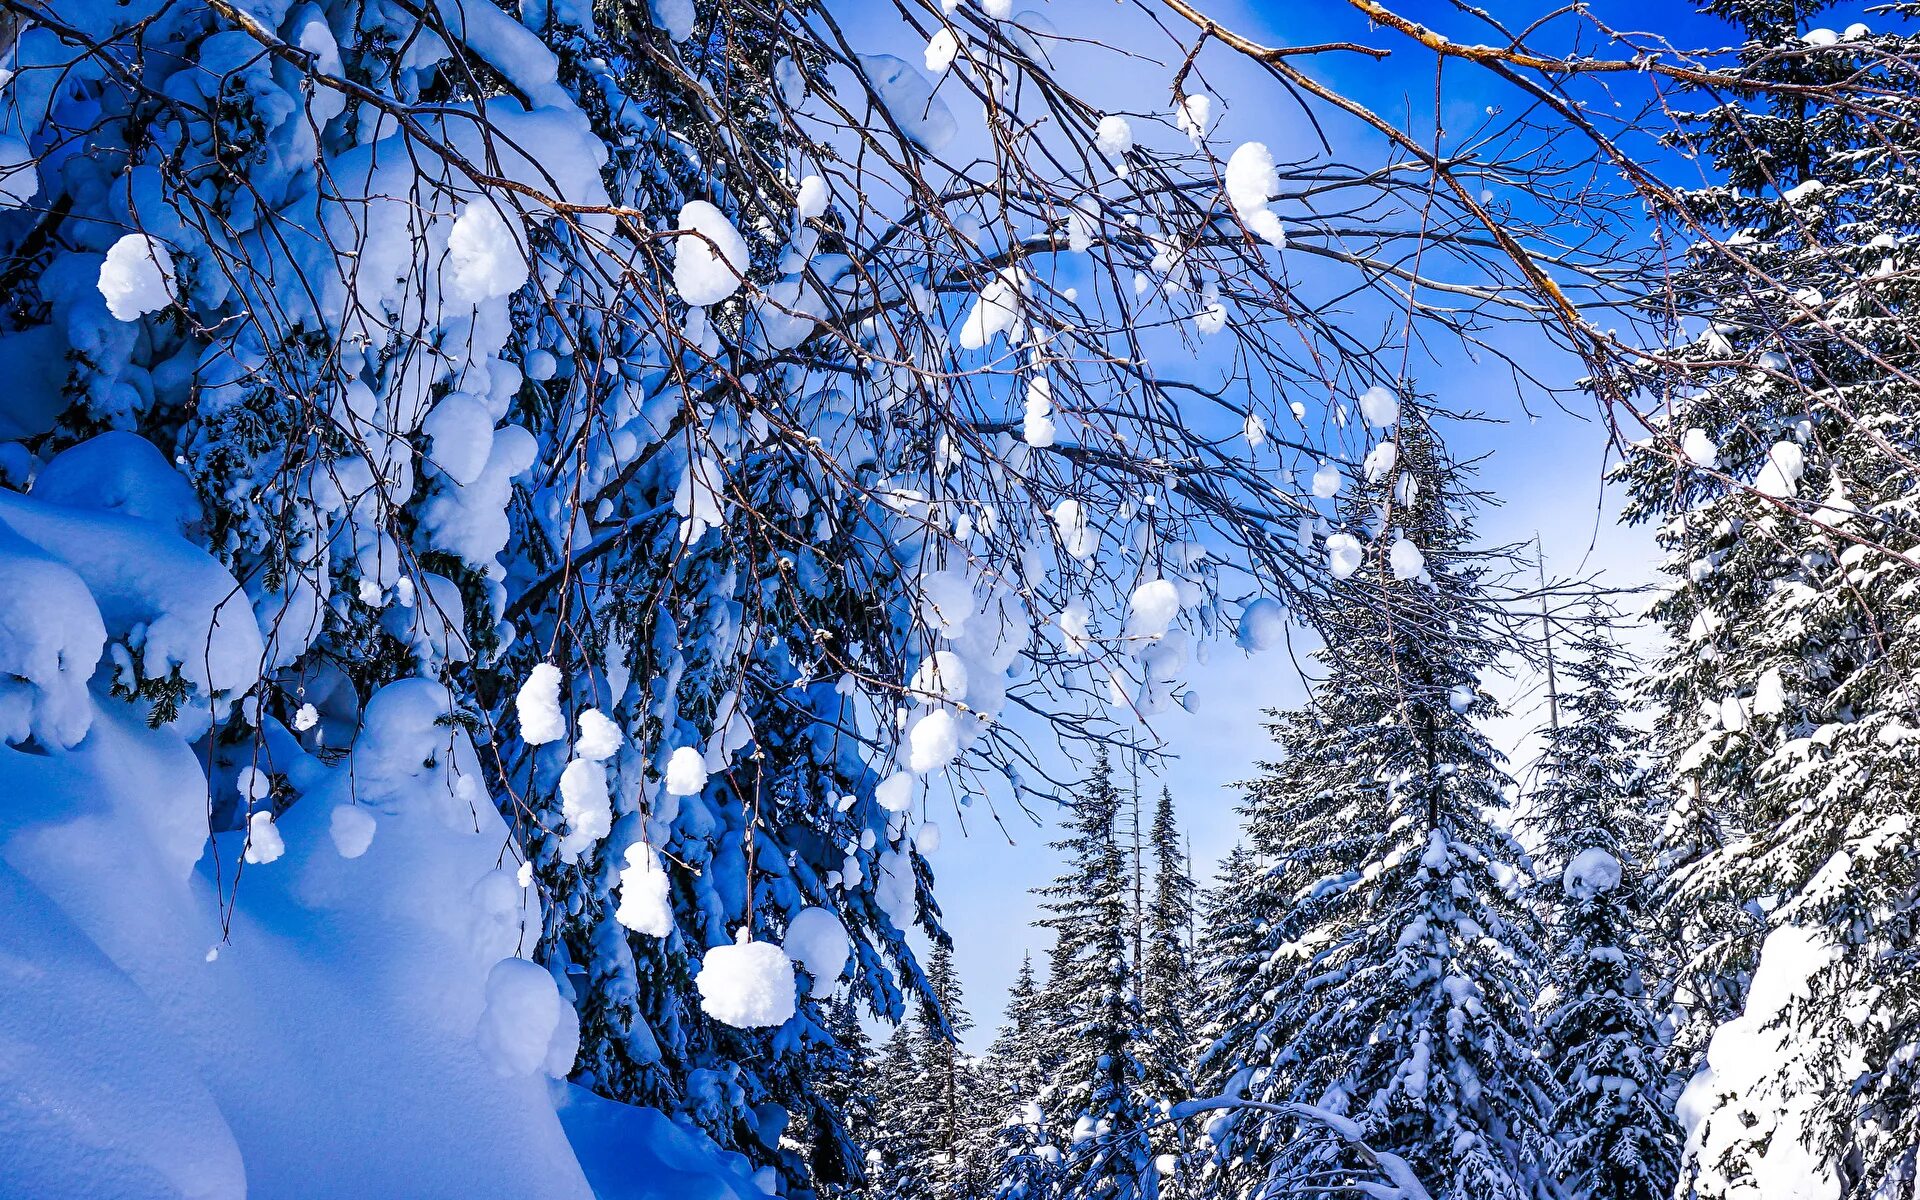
x: 1390, y: 976
x: 1787, y: 700
x: 1600, y: 1033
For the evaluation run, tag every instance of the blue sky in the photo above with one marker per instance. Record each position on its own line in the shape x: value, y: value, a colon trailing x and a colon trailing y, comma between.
x: 1547, y: 469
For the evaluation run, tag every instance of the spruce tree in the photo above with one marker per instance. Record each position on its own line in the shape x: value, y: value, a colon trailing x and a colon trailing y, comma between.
x: 1095, y: 1105
x: 1167, y: 987
x: 1404, y: 970
x: 1020, y: 1063
x: 1618, y: 1139
x: 1780, y: 479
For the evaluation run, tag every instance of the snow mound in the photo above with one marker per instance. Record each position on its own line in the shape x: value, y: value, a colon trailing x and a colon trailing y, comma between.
x: 1263, y: 625
x: 527, y: 1026
x: 748, y: 985
x: 1592, y: 872
x: 137, y: 277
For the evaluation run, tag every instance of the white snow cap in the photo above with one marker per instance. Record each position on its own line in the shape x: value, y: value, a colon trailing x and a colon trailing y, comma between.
x: 599, y: 736
x: 748, y: 985
x: 686, y: 772
x: 1326, y: 481
x: 1113, y: 136
x: 137, y: 277
x: 1590, y: 873
x: 538, y: 706
x: 1786, y: 462
x: 997, y: 311
x: 710, y: 259
x: 352, y: 829
x: 1380, y: 461
x: 1343, y: 554
x: 585, y: 805
x: 1251, y: 182
x: 942, y: 48
x: 812, y: 198
x: 1078, y: 538
x: 933, y: 741
x: 264, y: 843
x: 644, y: 906
x: 942, y: 675
x: 1406, y: 560
x: 818, y: 942
x: 484, y: 258
x: 1152, y: 608
x: 527, y: 1025
x: 1263, y: 625
x: 1380, y: 407
x: 1699, y: 448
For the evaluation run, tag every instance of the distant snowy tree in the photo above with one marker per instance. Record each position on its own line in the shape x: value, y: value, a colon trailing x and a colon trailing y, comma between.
x: 1403, y: 970
x: 1095, y: 1103
x: 1618, y: 1139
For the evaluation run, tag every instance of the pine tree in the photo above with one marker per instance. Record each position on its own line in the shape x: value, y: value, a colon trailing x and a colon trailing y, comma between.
x: 1618, y: 1139
x: 1403, y: 970
x: 1095, y: 1105
x: 1020, y: 1063
x: 1781, y: 479
x: 1167, y: 986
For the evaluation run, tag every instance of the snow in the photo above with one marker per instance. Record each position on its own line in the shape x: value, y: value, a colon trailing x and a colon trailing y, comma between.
x: 1699, y: 449
x: 996, y: 312
x: 710, y: 259
x: 1590, y: 873
x: 19, y: 173
x: 1406, y: 560
x: 526, y: 1025
x: 351, y: 828
x: 895, y: 792
x: 748, y: 985
x: 645, y: 904
x: 1113, y: 136
x: 1263, y: 625
x: 1739, y: 1100
x: 264, y: 843
x: 1194, y: 114
x: 599, y: 736
x: 676, y: 17
x: 1780, y: 477
x: 585, y: 805
x: 537, y: 704
x: 921, y: 115
x: 51, y: 635
x: 1251, y: 182
x: 485, y: 260
x: 1380, y: 462
x: 1343, y: 554
x: 933, y: 740
x: 1255, y: 431
x: 942, y: 675
x: 1037, y: 425
x: 1380, y: 407
x: 137, y: 277
x: 818, y: 941
x: 1151, y: 609
x: 1077, y: 537
x: 686, y: 772
x: 942, y: 48
x: 1326, y: 481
